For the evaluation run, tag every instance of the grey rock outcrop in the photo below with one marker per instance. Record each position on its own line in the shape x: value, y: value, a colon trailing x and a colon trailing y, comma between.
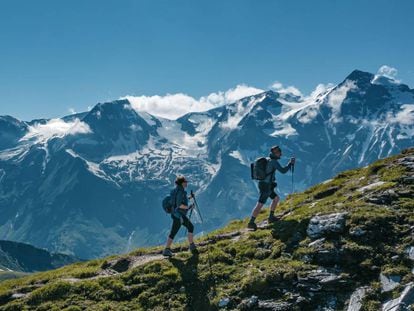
x: 322, y: 225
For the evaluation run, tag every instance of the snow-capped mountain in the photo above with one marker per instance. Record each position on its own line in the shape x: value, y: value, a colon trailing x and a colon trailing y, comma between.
x: 91, y: 184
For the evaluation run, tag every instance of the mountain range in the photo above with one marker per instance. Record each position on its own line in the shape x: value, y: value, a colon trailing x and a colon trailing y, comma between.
x: 91, y: 184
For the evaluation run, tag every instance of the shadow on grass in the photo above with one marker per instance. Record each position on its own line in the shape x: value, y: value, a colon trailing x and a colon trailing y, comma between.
x: 195, y: 290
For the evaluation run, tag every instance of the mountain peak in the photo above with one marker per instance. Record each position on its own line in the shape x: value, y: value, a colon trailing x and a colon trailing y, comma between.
x: 360, y: 77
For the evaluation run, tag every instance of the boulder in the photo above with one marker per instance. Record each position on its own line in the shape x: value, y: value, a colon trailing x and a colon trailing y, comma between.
x: 355, y: 302
x: 322, y: 225
x: 388, y: 283
x: 403, y: 301
x: 410, y: 252
x: 223, y: 302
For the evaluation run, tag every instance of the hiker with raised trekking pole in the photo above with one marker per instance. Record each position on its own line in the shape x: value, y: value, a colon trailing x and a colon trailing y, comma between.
x: 263, y: 170
x: 178, y: 206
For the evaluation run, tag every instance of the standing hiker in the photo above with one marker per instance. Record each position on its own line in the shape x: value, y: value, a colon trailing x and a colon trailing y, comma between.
x: 267, y: 186
x: 179, y: 215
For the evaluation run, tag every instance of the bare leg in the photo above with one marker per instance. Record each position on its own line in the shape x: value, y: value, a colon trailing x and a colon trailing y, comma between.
x: 169, y: 242
x: 190, y: 238
x: 257, y: 209
x: 273, y: 206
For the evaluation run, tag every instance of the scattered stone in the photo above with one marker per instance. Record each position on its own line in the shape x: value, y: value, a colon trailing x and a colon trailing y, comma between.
x: 388, y: 283
x: 121, y: 265
x: 383, y: 198
x: 408, y: 180
x: 325, y: 224
x: 357, y: 232
x: 403, y: 302
x: 371, y: 186
x: 317, y: 243
x: 410, y: 252
x: 223, y: 302
x: 18, y: 295
x: 326, y: 193
x: 395, y: 258
x: 355, y: 302
x: 320, y: 279
x: 275, y: 305
x: 249, y: 304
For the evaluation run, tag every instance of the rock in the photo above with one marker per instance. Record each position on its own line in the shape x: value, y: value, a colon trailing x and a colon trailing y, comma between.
x: 326, y: 193
x: 275, y: 305
x: 320, y: 279
x: 388, y: 283
x: 371, y: 186
x: 401, y: 303
x: 410, y: 252
x: 317, y: 243
x: 18, y: 295
x: 408, y: 180
x: 357, y: 232
x: 325, y: 224
x: 355, y: 302
x: 249, y: 304
x: 223, y: 302
x: 383, y: 198
x: 121, y: 265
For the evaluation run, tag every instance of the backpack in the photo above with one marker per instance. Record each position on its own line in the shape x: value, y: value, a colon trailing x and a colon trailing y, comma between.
x: 168, y: 204
x: 258, y: 169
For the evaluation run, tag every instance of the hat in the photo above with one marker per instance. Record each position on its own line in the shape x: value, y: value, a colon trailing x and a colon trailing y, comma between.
x: 180, y: 180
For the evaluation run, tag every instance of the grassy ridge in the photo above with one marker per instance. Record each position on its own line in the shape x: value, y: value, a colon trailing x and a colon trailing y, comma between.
x: 269, y: 263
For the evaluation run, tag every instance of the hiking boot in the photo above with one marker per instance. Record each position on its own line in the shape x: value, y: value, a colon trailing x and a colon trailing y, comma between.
x: 252, y: 225
x: 272, y: 219
x: 193, y: 248
x: 167, y: 252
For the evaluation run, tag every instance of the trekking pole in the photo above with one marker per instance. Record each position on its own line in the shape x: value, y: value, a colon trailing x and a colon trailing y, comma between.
x: 196, y: 206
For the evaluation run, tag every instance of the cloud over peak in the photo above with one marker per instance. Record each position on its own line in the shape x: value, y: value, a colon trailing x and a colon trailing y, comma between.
x: 173, y: 106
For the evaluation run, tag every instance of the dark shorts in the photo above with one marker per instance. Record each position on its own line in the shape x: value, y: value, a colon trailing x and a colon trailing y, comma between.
x: 267, y: 190
x: 177, y: 222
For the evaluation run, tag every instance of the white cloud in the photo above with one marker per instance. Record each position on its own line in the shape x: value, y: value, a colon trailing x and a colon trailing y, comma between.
x: 72, y: 110
x: 278, y: 87
x: 404, y: 117
x: 56, y: 128
x: 172, y: 106
x: 386, y: 75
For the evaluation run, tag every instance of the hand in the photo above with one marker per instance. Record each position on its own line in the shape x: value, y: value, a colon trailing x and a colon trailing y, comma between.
x: 292, y: 161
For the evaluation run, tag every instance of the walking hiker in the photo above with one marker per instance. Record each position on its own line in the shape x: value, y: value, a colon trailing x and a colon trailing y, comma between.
x: 267, y: 185
x: 179, y: 215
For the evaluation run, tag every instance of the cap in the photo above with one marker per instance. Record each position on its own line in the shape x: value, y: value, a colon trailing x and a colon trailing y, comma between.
x: 180, y: 180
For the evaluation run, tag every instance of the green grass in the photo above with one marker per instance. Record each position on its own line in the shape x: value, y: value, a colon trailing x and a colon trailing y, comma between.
x: 257, y: 263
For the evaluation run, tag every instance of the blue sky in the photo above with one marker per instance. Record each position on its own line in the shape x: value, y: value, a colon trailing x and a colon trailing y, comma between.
x: 61, y: 55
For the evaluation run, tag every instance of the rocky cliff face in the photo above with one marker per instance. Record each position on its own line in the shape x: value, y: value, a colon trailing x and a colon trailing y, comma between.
x: 344, y: 244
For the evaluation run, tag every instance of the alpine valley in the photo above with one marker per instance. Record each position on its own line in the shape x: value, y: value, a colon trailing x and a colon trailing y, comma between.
x: 91, y: 184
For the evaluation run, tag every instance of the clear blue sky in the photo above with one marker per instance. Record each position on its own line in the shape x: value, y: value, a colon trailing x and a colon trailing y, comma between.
x: 60, y: 54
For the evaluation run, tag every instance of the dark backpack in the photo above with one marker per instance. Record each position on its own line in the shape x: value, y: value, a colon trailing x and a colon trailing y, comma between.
x: 168, y: 204
x: 258, y: 169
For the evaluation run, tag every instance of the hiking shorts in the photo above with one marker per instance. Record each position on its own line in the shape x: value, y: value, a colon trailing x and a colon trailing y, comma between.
x: 267, y: 190
x: 177, y: 222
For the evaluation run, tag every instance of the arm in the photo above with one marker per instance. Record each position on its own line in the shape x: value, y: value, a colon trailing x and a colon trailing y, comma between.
x: 283, y: 169
x: 183, y: 200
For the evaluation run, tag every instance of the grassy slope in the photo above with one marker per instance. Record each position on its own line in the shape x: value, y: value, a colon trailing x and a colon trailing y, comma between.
x: 266, y: 263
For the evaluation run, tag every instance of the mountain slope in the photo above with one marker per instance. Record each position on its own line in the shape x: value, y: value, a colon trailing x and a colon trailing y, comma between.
x: 101, y: 175
x: 345, y: 243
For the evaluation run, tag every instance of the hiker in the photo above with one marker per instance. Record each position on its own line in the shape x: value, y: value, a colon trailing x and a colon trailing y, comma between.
x: 179, y: 216
x: 267, y: 186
